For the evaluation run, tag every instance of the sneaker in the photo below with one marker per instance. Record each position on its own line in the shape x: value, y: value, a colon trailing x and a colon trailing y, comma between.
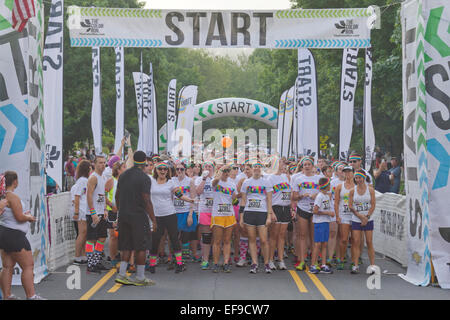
x: 123, y: 280
x: 143, y: 282
x: 340, y: 266
x: 12, y: 297
x: 241, y: 263
x: 272, y: 265
x: 282, y: 266
x: 216, y: 268
x: 267, y: 268
x: 80, y: 262
x: 226, y: 268
x: 314, y: 270
x: 93, y: 269
x: 253, y: 268
x: 101, y: 266
x: 196, y: 258
x: 152, y: 269
x: 325, y: 269
x: 36, y: 297
x: 300, y: 266
x: 355, y: 270
x: 180, y: 268
x: 285, y: 255
x: 205, y: 265
x: 329, y: 263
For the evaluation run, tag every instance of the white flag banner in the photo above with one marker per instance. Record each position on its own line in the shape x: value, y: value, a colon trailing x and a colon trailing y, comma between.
x: 53, y: 91
x: 155, y: 122
x: 415, y: 162
x: 280, y: 120
x: 287, y: 125
x: 281, y: 29
x: 140, y: 82
x: 96, y: 113
x: 148, y: 93
x: 120, y: 97
x: 369, y: 134
x: 436, y: 15
x: 171, y: 113
x: 187, y: 99
x: 294, y: 142
x: 306, y: 96
x: 349, y: 79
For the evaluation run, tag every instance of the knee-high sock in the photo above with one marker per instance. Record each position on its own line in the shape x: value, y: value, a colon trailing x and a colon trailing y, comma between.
x: 99, y: 246
x: 90, y: 253
x: 243, y: 248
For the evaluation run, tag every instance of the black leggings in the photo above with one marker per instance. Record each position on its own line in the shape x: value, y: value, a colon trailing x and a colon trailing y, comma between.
x: 169, y: 223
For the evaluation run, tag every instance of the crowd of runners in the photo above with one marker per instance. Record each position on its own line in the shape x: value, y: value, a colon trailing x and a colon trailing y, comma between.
x: 160, y: 210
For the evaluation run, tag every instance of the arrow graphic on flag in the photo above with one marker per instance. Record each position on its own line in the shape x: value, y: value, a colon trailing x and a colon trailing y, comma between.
x: 21, y: 123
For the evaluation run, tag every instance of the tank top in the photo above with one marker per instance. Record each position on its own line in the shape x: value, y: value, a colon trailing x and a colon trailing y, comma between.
x: 361, y: 203
x: 343, y: 202
x: 111, y: 194
x: 98, y: 197
x: 8, y: 220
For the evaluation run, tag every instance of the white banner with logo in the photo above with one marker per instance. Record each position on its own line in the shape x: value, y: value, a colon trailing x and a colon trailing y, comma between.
x: 120, y: 97
x: 187, y: 99
x: 140, y: 82
x: 53, y: 91
x: 436, y: 14
x: 280, y: 120
x: 282, y: 29
x: 154, y: 135
x: 349, y: 79
x: 171, y: 113
x: 415, y: 158
x: 369, y: 134
x: 287, y: 123
x: 306, y: 96
x: 148, y: 114
x: 96, y: 112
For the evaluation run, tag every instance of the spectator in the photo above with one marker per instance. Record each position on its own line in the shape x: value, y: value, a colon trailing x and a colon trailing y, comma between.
x: 382, y: 183
x: 394, y: 175
x: 52, y: 186
x: 70, y: 173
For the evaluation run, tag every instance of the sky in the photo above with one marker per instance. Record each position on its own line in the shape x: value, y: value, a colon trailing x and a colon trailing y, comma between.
x: 220, y: 5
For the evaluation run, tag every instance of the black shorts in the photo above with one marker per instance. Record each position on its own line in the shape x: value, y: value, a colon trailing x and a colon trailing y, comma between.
x: 111, y: 216
x: 100, y: 230
x: 304, y: 214
x: 255, y: 218
x: 12, y: 240
x: 283, y: 214
x: 134, y: 232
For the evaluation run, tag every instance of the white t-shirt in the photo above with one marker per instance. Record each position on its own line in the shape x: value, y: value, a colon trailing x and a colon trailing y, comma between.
x: 304, y: 184
x: 222, y: 198
x: 206, y: 198
x: 185, y: 185
x: 162, y: 198
x: 281, y: 195
x: 79, y: 189
x: 256, y: 191
x: 323, y: 201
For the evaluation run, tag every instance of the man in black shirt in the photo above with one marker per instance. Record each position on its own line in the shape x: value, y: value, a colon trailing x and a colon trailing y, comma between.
x: 135, y: 208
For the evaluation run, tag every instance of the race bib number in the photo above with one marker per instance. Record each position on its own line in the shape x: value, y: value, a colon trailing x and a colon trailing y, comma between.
x: 285, y: 196
x: 224, y: 208
x: 362, y: 206
x: 100, y: 198
x: 209, y: 202
x: 326, y: 205
x: 346, y: 209
x: 254, y: 203
x: 178, y: 203
x: 311, y: 204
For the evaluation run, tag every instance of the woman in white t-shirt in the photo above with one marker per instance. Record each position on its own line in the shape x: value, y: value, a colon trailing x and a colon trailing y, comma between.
x: 305, y: 187
x: 80, y: 209
x: 162, y: 192
x: 256, y: 193
x: 223, y: 218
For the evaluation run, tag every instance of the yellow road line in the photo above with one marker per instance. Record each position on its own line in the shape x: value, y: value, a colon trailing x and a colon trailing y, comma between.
x: 323, y: 290
x: 99, y: 284
x: 117, y: 286
x: 301, y: 287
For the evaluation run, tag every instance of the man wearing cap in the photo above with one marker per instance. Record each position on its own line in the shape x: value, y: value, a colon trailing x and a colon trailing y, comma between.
x: 394, y: 175
x: 355, y: 161
x: 135, y: 209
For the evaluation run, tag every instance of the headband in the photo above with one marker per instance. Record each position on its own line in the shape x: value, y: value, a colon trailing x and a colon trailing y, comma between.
x: 325, y: 185
x: 140, y: 162
x: 210, y: 163
x: 340, y: 164
x: 306, y: 159
x: 257, y: 164
x: 162, y: 164
x: 354, y: 157
x: 358, y: 173
x: 335, y: 163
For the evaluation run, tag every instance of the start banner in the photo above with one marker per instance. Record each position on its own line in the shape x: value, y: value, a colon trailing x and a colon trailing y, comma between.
x: 280, y: 29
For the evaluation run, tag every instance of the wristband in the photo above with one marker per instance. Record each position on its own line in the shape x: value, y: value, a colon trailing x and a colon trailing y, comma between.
x: 92, y: 212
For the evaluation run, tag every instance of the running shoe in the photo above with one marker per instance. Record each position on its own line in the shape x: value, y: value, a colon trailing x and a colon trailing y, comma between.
x: 300, y: 266
x: 267, y: 268
x: 360, y: 262
x: 314, y: 270
x: 12, y: 297
x: 93, y: 269
x: 205, y: 265
x: 123, y: 280
x: 180, y: 268
x: 272, y: 265
x: 196, y: 258
x: 241, y: 263
x: 226, y: 268
x: 355, y: 270
x: 325, y: 269
x: 102, y: 266
x: 253, y: 268
x: 36, y: 297
x: 340, y: 266
x: 329, y: 263
x: 282, y: 266
x: 80, y: 262
x: 143, y: 282
x: 216, y: 268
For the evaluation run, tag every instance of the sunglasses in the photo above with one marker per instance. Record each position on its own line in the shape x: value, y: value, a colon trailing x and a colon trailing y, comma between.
x: 226, y: 170
x: 354, y: 161
x: 235, y: 168
x: 180, y: 169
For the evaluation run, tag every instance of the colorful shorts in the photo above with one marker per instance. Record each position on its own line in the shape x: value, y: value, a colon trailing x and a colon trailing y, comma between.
x: 223, y: 222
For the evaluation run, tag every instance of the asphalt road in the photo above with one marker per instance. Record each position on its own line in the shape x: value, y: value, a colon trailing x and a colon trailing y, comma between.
x: 197, y: 284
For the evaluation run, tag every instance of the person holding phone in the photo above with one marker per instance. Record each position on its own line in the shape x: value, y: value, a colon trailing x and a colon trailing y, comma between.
x: 14, y: 245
